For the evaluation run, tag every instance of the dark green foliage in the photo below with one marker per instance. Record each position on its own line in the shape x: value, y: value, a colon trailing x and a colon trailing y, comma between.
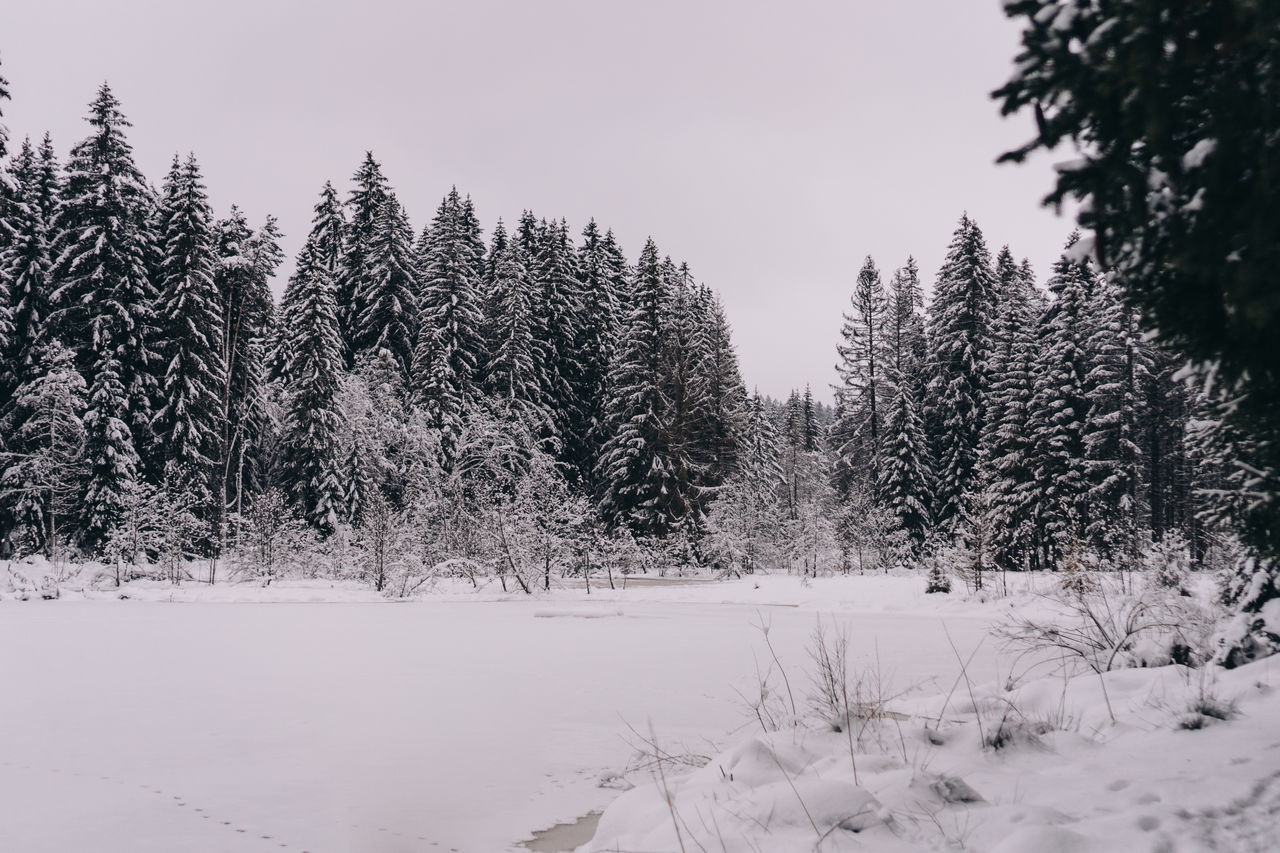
x: 512, y: 378
x: 388, y: 322
x: 905, y: 484
x: 1059, y: 407
x: 244, y: 264
x: 449, y: 350
x: 960, y: 343
x: 25, y: 266
x: 189, y: 417
x: 644, y: 475
x: 602, y: 273
x: 356, y: 274
x: 1173, y: 107
x: 103, y: 306
x: 312, y: 417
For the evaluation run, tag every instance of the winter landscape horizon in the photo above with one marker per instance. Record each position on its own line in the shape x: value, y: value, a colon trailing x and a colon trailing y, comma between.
x: 691, y: 427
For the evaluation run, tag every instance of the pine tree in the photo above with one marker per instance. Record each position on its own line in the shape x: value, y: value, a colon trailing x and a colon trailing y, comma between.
x: 497, y: 244
x: 356, y: 276
x: 596, y: 338
x: 25, y: 269
x: 557, y: 317
x: 905, y: 332
x: 473, y: 237
x: 960, y: 341
x: 190, y: 313
x: 905, y: 483
x: 1059, y: 407
x: 389, y: 322
x: 314, y: 343
x: 245, y: 263
x: 683, y: 388
x: 719, y: 434
x: 450, y: 342
x: 638, y: 468
x: 324, y: 255
x: 512, y: 379
x: 7, y: 189
x: 861, y: 392
x: 1183, y: 136
x: 104, y: 306
x: 112, y: 458
x: 1120, y: 365
x: 743, y: 522
x: 761, y: 449
x: 44, y: 466
x: 809, y: 422
x: 1006, y: 459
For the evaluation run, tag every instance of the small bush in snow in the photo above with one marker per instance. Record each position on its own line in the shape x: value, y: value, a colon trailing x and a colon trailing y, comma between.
x: 1205, y: 710
x: 938, y: 582
x: 1168, y: 563
x: 1252, y: 589
x: 1016, y: 730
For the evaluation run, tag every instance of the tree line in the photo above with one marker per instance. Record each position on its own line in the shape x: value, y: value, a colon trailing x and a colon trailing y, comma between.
x: 153, y: 393
x: 535, y: 399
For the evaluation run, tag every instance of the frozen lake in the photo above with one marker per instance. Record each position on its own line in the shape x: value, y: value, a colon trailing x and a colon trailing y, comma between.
x: 146, y: 726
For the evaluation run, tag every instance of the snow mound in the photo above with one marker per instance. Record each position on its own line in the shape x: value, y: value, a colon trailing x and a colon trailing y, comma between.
x: 1113, y: 768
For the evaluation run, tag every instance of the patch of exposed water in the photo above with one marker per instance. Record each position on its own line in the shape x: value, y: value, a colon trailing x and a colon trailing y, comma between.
x: 564, y: 837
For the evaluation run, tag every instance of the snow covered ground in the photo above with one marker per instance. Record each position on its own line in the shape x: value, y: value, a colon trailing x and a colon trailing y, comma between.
x: 320, y: 717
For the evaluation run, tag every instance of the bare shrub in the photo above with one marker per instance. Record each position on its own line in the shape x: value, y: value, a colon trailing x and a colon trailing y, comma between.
x: 1099, y: 628
x: 1205, y: 710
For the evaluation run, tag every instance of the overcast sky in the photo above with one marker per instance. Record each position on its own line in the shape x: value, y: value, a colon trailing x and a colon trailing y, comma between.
x: 770, y: 145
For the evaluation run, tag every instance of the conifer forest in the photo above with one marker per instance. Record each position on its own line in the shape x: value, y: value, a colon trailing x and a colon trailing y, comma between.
x: 1062, y: 477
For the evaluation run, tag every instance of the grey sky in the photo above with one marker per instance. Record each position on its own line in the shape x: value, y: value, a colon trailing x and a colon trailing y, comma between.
x: 771, y: 145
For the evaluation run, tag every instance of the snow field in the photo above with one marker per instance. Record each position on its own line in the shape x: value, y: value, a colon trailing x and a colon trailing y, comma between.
x: 311, y: 715
x: 328, y: 723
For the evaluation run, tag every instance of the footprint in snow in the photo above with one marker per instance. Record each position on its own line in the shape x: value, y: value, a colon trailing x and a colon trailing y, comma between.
x: 1118, y: 785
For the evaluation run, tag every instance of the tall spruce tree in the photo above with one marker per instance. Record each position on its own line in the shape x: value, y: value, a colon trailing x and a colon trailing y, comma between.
x: 24, y: 273
x: 1120, y: 364
x: 641, y: 475
x: 7, y: 189
x: 905, y: 482
x: 189, y: 418
x: 1006, y: 458
x: 683, y: 387
x: 557, y: 313
x: 905, y: 324
x: 597, y: 335
x: 960, y: 319
x: 450, y: 344
x: 719, y: 432
x: 1059, y: 407
x: 324, y: 253
x: 104, y: 305
x: 388, y: 323
x: 761, y: 450
x: 313, y: 419
x: 512, y: 379
x: 355, y: 276
x: 863, y: 352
